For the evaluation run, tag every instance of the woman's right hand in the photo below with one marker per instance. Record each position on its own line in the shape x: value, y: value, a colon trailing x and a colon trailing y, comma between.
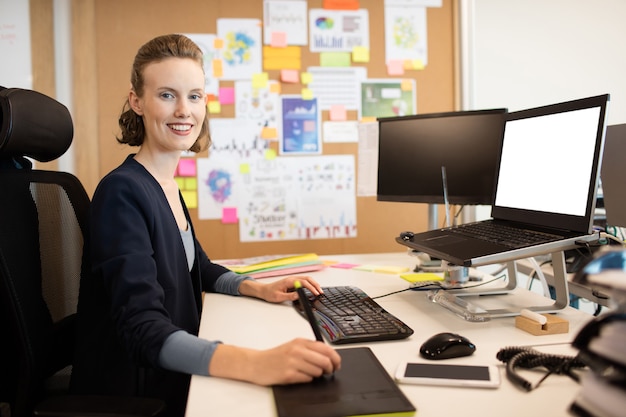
x: 297, y: 361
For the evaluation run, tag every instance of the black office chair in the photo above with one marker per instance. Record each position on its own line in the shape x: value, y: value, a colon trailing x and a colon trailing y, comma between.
x: 42, y: 218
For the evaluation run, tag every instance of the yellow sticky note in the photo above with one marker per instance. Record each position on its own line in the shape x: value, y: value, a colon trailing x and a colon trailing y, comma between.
x: 269, y: 133
x: 368, y: 119
x: 270, y: 154
x: 214, y: 107
x: 218, y: 43
x: 406, y: 85
x: 191, y: 184
x: 360, y: 54
x: 307, y: 94
x: 421, y: 277
x: 244, y: 168
x: 306, y: 78
x: 335, y: 59
x: 275, y: 88
x: 191, y: 198
x: 180, y: 181
x: 413, y: 64
x: 259, y: 80
x: 218, y: 70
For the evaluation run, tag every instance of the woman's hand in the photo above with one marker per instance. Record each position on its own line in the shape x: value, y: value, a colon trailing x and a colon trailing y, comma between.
x: 279, y: 291
x: 297, y: 361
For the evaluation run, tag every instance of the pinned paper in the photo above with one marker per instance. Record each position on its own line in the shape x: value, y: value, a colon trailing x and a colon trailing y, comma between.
x: 187, y: 167
x: 227, y: 95
x: 191, y: 183
x: 270, y: 154
x: 244, y: 168
x: 413, y: 64
x: 360, y: 54
x: 288, y: 57
x: 337, y: 113
x: 368, y: 119
x: 279, y: 39
x: 275, y: 88
x: 260, y: 80
x: 395, y: 67
x: 229, y: 215
x: 341, y: 4
x: 406, y: 85
x: 289, y: 76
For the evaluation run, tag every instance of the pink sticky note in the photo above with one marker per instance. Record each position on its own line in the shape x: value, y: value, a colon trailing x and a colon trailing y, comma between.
x: 227, y: 95
x: 308, y: 126
x: 344, y: 266
x: 229, y: 215
x: 395, y: 67
x: 187, y: 167
x: 337, y: 113
x: 289, y: 76
x: 279, y: 39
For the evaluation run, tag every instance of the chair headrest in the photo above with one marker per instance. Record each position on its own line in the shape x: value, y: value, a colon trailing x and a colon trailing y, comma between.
x: 34, y: 125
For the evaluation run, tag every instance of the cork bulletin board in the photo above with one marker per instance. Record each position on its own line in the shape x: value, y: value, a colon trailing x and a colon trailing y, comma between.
x: 121, y: 27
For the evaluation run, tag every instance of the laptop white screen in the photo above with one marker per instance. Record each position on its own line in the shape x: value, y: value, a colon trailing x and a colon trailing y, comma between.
x: 547, y: 161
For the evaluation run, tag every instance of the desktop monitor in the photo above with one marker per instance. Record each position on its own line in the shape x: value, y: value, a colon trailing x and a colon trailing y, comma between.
x: 413, y: 149
x: 613, y: 175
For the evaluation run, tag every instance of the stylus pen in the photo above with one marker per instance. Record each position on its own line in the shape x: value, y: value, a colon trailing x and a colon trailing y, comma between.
x: 308, y: 311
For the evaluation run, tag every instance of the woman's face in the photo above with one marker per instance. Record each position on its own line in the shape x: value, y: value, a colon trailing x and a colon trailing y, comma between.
x: 173, y: 104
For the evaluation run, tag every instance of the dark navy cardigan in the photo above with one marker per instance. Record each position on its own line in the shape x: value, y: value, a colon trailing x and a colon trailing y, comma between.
x: 136, y: 290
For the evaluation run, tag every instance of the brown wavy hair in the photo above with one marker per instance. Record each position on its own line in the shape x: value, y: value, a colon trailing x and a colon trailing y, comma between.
x: 155, y: 50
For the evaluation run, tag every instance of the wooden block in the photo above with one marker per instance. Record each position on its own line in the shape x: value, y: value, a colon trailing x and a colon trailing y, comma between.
x: 554, y: 325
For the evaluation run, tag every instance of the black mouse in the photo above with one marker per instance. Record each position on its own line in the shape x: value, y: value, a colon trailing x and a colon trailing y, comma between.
x: 446, y: 345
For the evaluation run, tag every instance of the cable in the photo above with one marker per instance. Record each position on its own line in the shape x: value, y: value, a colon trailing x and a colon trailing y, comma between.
x: 391, y: 293
x: 528, y: 358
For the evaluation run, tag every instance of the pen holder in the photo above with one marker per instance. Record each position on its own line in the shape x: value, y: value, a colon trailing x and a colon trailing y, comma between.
x: 554, y: 325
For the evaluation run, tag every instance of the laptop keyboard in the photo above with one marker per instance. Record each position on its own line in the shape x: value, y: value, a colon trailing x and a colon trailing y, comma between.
x: 511, y: 237
x: 347, y: 314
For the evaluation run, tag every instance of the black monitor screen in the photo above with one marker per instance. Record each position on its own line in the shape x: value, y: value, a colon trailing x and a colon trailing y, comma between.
x: 412, y: 150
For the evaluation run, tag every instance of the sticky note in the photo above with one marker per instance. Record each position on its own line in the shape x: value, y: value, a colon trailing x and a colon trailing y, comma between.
x: 180, y: 182
x: 270, y: 154
x: 259, y: 80
x: 187, y: 167
x: 218, y: 70
x: 335, y: 59
x: 306, y: 78
x: 368, y: 119
x: 275, y: 88
x: 218, y: 43
x: 288, y: 57
x: 269, y: 133
x: 214, y: 107
x: 395, y: 67
x: 360, y: 54
x: 229, y: 215
x: 344, y: 265
x: 307, y: 94
x: 227, y: 95
x: 406, y: 85
x: 244, y: 168
x: 337, y: 113
x: 421, y: 277
x: 278, y: 39
x: 191, y: 183
x: 413, y: 64
x: 289, y: 76
x: 341, y: 4
x: 191, y: 198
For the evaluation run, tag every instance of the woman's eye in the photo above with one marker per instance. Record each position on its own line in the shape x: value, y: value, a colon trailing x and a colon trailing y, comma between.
x: 167, y: 95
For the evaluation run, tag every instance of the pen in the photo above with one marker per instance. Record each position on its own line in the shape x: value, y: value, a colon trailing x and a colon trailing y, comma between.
x: 308, y: 311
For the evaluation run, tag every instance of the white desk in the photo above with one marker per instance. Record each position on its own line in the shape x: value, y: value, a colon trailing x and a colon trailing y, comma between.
x: 253, y: 323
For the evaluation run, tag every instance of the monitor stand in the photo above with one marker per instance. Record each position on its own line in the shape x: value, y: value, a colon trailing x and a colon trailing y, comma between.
x: 433, y: 217
x: 560, y: 287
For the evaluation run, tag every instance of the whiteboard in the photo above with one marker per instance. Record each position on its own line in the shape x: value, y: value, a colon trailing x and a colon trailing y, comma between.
x: 522, y: 54
x: 15, y: 66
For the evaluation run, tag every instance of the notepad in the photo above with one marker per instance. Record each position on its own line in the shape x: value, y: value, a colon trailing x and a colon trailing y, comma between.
x: 361, y: 387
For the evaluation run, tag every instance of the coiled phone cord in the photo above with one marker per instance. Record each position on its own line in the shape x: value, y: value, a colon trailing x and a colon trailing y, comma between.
x: 528, y: 358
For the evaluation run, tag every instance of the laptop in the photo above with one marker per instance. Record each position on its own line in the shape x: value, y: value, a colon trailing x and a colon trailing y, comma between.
x: 546, y: 182
x: 613, y: 175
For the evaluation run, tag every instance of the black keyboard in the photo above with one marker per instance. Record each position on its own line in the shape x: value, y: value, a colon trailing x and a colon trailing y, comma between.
x: 346, y: 314
x: 508, y: 236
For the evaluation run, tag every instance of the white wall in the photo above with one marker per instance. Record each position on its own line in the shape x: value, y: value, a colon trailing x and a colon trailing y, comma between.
x: 526, y: 53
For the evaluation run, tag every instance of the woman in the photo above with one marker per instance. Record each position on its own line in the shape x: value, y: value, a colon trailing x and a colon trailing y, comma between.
x: 144, y: 271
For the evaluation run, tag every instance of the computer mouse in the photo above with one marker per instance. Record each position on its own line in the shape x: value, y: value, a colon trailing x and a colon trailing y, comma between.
x: 446, y: 345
